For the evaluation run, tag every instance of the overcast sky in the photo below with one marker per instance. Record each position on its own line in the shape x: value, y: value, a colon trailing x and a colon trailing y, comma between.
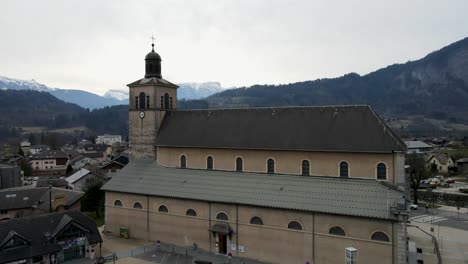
x: 100, y: 45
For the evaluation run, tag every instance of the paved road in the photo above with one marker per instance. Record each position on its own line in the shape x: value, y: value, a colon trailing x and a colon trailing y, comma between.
x: 440, y: 217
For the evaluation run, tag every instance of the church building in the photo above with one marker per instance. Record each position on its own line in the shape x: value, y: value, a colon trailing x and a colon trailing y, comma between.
x: 275, y: 184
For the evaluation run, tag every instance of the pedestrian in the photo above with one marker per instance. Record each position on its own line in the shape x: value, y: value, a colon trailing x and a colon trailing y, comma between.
x: 427, y: 207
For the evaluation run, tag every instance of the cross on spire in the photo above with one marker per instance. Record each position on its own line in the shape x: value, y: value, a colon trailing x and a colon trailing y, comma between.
x: 152, y: 41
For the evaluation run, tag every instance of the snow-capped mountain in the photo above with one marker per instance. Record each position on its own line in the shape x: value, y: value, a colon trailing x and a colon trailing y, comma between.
x: 79, y: 97
x: 117, y: 94
x: 111, y: 97
x: 15, y: 84
x: 185, y: 91
x: 198, y: 90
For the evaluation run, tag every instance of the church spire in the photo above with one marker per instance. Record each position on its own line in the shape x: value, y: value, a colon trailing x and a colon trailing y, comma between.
x: 153, y: 63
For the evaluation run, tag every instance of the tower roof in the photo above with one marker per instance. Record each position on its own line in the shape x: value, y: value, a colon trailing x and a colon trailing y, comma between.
x: 152, y: 55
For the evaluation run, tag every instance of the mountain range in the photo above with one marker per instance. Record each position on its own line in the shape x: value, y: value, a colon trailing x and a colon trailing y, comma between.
x: 425, y: 91
x: 112, y: 97
x: 423, y: 97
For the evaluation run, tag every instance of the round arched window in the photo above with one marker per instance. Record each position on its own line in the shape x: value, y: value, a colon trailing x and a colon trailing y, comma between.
x: 380, y: 236
x: 295, y: 225
x: 381, y: 171
x: 305, y: 168
x: 239, y: 164
x: 191, y: 212
x: 222, y: 216
x: 163, y: 209
x: 256, y: 221
x: 118, y: 203
x: 337, y: 231
x: 183, y: 161
x: 270, y: 166
x: 344, y: 169
x: 137, y: 205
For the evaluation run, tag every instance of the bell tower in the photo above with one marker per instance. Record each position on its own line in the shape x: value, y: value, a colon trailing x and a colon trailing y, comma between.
x: 149, y: 99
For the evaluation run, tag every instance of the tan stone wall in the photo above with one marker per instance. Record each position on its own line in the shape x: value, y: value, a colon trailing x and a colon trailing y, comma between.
x: 361, y: 165
x: 271, y: 242
x: 142, y: 132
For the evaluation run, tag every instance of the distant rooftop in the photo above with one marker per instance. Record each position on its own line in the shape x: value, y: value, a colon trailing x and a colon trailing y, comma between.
x: 417, y: 144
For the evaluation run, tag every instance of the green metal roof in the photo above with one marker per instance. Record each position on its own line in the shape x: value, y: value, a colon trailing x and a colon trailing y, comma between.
x: 355, y: 197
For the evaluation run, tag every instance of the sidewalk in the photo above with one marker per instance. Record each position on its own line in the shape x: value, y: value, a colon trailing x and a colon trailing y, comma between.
x: 463, y: 210
x: 453, y: 243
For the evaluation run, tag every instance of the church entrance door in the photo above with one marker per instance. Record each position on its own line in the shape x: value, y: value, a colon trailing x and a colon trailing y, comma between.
x: 222, y: 243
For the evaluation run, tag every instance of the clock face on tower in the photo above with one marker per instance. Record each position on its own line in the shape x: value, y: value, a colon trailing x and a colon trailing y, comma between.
x: 142, y: 114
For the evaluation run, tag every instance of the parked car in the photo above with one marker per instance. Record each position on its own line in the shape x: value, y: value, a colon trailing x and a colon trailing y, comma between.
x: 435, y: 182
x: 425, y: 181
x: 439, y: 177
x: 449, y: 180
x: 413, y: 206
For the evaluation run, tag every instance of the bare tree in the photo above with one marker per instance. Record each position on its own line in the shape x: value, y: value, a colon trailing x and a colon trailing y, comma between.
x: 417, y: 171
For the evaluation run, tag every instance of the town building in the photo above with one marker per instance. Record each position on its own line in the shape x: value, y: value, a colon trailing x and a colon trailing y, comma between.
x: 49, y: 238
x: 440, y: 162
x: 81, y: 161
x: 277, y: 184
x: 10, y: 176
x: 38, y: 149
x: 110, y: 168
x: 108, y: 139
x: 462, y: 165
x: 418, y: 147
x: 49, y: 162
x: 20, y: 202
x: 81, y: 179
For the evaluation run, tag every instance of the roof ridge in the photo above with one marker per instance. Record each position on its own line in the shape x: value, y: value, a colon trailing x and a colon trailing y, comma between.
x: 272, y: 107
x: 387, y: 129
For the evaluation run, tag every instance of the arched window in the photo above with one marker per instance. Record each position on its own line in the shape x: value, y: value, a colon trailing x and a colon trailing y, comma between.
x: 305, y: 167
x: 137, y: 205
x: 344, y: 169
x: 191, y: 212
x: 295, y: 225
x: 142, y: 100
x: 270, y: 166
x: 256, y: 221
x: 118, y: 203
x: 163, y: 209
x: 222, y: 216
x: 209, y: 163
x: 337, y: 231
x: 183, y: 162
x: 380, y: 236
x: 239, y: 164
x: 166, y: 101
x: 381, y: 171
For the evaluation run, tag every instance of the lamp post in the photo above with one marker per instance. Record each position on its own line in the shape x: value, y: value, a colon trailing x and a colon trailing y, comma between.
x: 50, y: 198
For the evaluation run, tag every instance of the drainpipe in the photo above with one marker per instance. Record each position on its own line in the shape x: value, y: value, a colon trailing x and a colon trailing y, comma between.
x: 393, y: 242
x: 209, y: 223
x: 147, y: 217
x: 237, y: 230
x: 50, y: 198
x: 313, y: 238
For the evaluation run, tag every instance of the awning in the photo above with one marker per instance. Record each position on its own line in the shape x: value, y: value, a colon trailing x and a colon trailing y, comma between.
x: 221, y: 228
